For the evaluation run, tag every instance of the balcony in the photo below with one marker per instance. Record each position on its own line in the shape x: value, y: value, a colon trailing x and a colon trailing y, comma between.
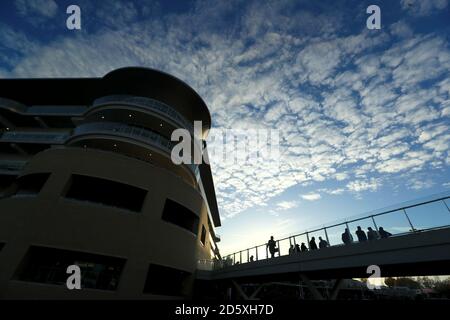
x: 43, y: 137
x: 120, y: 130
x: 153, y: 105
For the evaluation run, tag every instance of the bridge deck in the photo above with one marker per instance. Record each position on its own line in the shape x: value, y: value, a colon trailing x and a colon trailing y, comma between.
x: 419, y: 253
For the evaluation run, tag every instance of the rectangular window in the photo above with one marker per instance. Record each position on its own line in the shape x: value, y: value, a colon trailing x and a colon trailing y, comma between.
x: 181, y: 216
x: 106, y: 192
x: 6, y: 182
x: 203, y: 235
x: 48, y: 265
x: 31, y: 184
x: 1, y: 246
x: 165, y: 281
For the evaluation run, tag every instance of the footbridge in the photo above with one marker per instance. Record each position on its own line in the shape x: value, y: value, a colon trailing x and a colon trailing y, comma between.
x: 419, y: 244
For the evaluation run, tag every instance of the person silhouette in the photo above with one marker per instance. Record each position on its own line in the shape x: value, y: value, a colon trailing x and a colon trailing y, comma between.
x: 312, y: 244
x: 297, y: 248
x: 252, y: 259
x: 322, y: 243
x: 347, y: 237
x: 303, y: 247
x: 272, y: 245
x: 361, y: 235
x: 383, y: 233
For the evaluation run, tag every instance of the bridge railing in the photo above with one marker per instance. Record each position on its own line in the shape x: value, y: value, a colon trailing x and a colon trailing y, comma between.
x: 417, y: 217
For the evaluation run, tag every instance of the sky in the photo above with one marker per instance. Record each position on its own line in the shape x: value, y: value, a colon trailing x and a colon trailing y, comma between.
x: 361, y: 116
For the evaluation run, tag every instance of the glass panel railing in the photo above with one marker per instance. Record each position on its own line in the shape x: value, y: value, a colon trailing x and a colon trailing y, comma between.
x: 335, y: 234
x: 428, y: 214
x: 394, y: 222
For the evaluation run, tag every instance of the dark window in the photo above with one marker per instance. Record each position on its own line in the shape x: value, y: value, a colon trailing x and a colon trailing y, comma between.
x: 165, y: 280
x: 181, y: 216
x: 203, y: 236
x: 106, y: 192
x: 1, y: 246
x: 48, y: 265
x: 31, y: 184
x: 6, y: 182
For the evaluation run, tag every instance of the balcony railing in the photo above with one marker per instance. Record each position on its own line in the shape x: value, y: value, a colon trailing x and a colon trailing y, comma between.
x: 12, y: 165
x: 148, y: 103
x: 426, y: 215
x: 34, y: 137
x: 140, y: 134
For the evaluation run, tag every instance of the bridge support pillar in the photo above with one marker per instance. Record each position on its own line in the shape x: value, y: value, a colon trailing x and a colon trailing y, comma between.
x: 336, y: 288
x: 316, y: 294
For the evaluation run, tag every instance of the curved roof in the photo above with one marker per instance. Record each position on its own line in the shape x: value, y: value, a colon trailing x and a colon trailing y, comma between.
x: 129, y: 80
x: 161, y: 86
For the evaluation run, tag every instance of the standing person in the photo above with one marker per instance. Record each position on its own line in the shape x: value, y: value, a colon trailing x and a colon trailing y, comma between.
x: 322, y: 243
x: 297, y: 248
x: 372, y: 234
x: 272, y: 245
x: 347, y: 237
x: 361, y: 235
x: 312, y: 244
x: 383, y: 233
x: 303, y: 247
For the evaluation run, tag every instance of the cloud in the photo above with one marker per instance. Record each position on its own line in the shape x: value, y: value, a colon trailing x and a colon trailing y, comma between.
x: 417, y: 184
x: 423, y: 7
x: 286, y: 205
x: 364, y: 185
x: 311, y: 196
x: 401, y: 29
x: 349, y: 105
x: 31, y: 8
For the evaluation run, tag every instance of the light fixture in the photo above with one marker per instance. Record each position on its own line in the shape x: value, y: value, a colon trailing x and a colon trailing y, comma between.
x: 160, y: 124
x: 115, y: 145
x: 103, y: 117
x: 130, y: 115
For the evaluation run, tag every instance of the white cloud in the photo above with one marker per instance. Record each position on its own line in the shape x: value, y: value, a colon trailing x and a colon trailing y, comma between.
x: 286, y: 205
x: 311, y: 196
x: 347, y: 106
x: 364, y: 185
x: 30, y: 8
x: 423, y: 7
x: 401, y: 29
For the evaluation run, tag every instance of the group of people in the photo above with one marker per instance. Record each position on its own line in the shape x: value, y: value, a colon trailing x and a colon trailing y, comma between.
x: 347, y: 238
x: 362, y: 236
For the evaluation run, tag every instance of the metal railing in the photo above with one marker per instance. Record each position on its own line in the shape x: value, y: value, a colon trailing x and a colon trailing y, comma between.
x: 407, y: 219
x: 34, y: 137
x: 148, y: 103
x: 138, y: 133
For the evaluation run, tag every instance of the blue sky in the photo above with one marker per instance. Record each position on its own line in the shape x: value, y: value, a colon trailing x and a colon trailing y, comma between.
x: 363, y: 115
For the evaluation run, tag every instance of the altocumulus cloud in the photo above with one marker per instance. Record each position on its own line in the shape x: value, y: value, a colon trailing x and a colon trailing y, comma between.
x: 352, y: 106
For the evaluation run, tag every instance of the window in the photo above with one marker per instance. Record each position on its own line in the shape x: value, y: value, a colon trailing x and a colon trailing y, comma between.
x: 31, y: 184
x: 106, y: 192
x: 203, y: 236
x: 181, y: 216
x: 1, y: 246
x: 165, y: 280
x: 6, y: 182
x: 48, y: 265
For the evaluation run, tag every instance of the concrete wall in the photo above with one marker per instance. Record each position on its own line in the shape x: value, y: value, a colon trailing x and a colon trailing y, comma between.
x: 141, y: 238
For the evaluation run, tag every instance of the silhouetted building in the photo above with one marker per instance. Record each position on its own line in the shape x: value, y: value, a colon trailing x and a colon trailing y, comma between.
x: 86, y: 178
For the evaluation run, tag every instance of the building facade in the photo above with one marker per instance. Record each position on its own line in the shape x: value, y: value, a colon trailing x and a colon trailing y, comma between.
x: 86, y: 179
